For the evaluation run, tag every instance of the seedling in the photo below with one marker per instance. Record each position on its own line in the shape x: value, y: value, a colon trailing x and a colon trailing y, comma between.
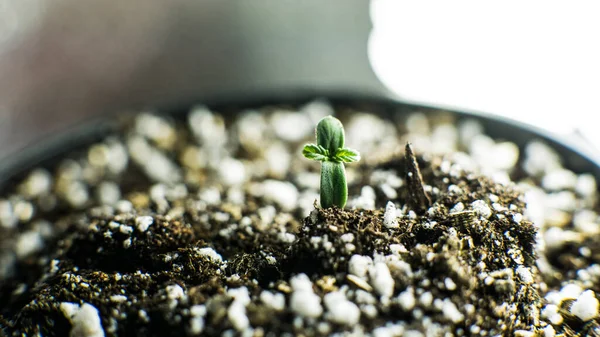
x: 332, y: 154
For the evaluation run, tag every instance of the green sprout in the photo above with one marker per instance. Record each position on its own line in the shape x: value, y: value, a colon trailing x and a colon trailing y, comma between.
x: 332, y: 154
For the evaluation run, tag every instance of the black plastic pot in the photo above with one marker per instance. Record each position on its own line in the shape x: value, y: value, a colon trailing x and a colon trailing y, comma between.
x: 47, y: 153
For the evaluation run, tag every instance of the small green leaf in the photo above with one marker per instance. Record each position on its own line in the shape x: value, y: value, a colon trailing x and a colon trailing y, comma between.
x: 330, y: 134
x: 346, y: 155
x: 315, y: 152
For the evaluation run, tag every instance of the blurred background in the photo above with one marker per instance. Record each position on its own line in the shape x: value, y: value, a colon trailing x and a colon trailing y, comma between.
x: 65, y: 61
x: 533, y: 61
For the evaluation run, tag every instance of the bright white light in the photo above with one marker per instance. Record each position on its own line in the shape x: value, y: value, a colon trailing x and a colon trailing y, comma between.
x: 535, y: 61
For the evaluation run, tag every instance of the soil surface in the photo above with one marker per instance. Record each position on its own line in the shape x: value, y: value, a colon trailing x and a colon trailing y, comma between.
x: 209, y: 225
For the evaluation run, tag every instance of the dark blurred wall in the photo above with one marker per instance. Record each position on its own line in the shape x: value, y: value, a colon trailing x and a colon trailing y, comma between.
x: 62, y: 61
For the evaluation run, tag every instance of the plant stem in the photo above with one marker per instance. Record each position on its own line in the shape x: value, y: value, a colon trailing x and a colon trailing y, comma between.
x: 334, y: 191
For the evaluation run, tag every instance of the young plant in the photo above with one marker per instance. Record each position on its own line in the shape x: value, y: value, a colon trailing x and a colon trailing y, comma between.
x: 332, y: 154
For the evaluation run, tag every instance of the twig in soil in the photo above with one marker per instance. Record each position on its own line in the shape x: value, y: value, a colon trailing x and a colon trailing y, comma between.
x: 418, y: 200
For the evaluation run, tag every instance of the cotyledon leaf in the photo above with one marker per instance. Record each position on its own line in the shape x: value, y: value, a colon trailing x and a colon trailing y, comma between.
x: 330, y: 134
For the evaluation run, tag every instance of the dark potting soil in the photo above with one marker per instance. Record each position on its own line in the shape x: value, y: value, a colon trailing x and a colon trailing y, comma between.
x: 212, y: 227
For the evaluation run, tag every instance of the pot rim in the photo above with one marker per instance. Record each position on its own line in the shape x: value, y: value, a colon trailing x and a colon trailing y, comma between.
x: 49, y: 149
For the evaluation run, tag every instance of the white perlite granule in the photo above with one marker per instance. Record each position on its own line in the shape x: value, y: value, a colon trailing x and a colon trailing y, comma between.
x: 28, y: 243
x: 556, y: 237
x: 84, y: 319
x: 124, y: 206
x: 359, y: 265
x: 366, y: 200
x: 237, y: 310
x: 155, y: 128
x: 586, y: 185
x: 482, y: 208
x: 286, y: 237
x: 197, y: 323
x: 390, y: 330
x: 426, y: 299
x: 210, y: 195
x: 108, y: 193
x: 117, y: 156
x: 157, y: 165
x: 143, y: 315
x: 274, y: 300
x: 449, y: 283
x: 559, y: 179
x: 348, y: 237
x: 143, y: 222
x: 175, y: 292
x: 303, y: 301
x: 585, y: 221
x: 549, y: 331
x: 389, y: 217
x: 24, y: 210
x: 340, y: 310
x: 407, y: 300
x: 451, y: 312
x: 453, y: 189
x: 306, y: 304
x: 8, y: 219
x: 37, y: 183
x: 586, y: 306
x: 417, y: 122
x: 232, y: 172
x: 125, y: 229
x: 118, y: 298
x: 568, y: 291
x: 517, y: 217
x: 389, y: 191
x: 381, y: 279
x: 524, y: 274
x: 397, y: 248
x: 76, y: 194
x: 211, y: 254
x: 316, y: 110
x: 291, y: 126
x: 459, y: 207
x: 550, y: 312
x: 207, y: 127
x: 540, y: 158
x: 283, y: 193
x: 524, y: 333
x: 278, y: 160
